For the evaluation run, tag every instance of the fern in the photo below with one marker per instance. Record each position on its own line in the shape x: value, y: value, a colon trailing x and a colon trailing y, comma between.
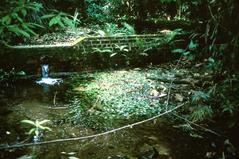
x: 228, y: 108
x: 199, y: 96
x: 185, y: 127
x: 201, y: 113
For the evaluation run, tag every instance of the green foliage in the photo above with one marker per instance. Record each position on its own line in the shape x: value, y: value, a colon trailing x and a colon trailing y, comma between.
x: 7, y: 77
x: 97, y: 11
x: 18, y: 22
x: 14, y: 23
x: 112, y: 29
x: 199, y: 97
x: 61, y: 19
x: 221, y: 33
x: 128, y: 28
x: 225, y: 95
x: 112, y: 96
x: 201, y: 112
x: 214, y: 65
x: 188, y: 53
x: 37, y: 127
x: 3, y: 75
x: 228, y: 107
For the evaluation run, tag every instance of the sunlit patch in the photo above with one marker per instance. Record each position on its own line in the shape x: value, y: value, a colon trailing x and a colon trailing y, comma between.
x: 49, y: 81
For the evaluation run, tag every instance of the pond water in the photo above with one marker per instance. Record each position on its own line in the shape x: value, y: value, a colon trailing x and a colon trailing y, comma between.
x: 27, y: 100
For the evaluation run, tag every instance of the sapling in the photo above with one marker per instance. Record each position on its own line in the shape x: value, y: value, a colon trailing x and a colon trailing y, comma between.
x: 37, y: 128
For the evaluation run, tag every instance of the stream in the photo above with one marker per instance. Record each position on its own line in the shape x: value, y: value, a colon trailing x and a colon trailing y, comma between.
x: 28, y: 100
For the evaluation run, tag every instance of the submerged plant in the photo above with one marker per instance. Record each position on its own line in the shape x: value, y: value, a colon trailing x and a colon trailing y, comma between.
x: 37, y: 128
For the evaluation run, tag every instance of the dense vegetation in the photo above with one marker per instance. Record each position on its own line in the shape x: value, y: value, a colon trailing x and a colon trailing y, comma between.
x: 210, y: 46
x: 214, y: 23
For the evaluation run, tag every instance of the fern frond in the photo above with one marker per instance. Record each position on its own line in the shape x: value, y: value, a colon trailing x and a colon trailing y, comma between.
x: 201, y: 113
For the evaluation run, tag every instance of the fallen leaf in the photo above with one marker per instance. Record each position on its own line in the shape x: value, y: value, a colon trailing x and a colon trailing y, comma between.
x: 154, y: 93
x: 178, y: 97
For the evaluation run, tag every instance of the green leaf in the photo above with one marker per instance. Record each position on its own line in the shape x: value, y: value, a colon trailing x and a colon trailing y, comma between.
x: 31, y: 131
x: 200, y: 95
x: 211, y: 60
x: 34, y: 6
x: 44, y: 127
x: 16, y: 16
x: 15, y: 29
x: 178, y: 51
x: 68, y: 22
x: 129, y: 28
x: 201, y: 112
x: 60, y: 23
x: 192, y: 45
x: 186, y: 53
x: 1, y: 30
x: 24, y: 12
x: 54, y: 21
x: 47, y: 16
x: 28, y: 122
x: 44, y: 121
x: 6, y: 20
x: 21, y: 73
x: 25, y: 26
x: 33, y: 25
x: 47, y: 128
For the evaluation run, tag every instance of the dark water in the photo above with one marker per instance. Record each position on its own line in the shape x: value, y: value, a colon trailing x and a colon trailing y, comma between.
x: 26, y: 100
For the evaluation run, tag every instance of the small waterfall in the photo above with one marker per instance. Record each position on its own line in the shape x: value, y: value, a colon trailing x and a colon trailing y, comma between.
x: 45, y: 79
x: 44, y: 71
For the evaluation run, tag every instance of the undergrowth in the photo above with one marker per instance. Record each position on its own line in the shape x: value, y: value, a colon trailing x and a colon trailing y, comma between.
x: 110, y: 97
